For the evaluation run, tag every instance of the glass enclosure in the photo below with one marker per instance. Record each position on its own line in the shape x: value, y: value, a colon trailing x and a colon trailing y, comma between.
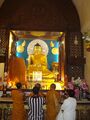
x: 43, y: 53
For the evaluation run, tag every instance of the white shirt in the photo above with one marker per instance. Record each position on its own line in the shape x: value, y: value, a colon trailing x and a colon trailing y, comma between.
x: 69, y: 109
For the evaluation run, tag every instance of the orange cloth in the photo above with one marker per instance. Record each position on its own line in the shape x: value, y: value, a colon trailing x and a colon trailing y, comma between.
x: 51, y: 111
x: 18, y: 111
x: 17, y: 69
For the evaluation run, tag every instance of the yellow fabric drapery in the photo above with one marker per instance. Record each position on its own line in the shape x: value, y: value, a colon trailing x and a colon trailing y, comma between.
x: 17, y: 69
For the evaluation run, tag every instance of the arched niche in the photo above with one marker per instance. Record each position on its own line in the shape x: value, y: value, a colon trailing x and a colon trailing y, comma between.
x: 48, y: 15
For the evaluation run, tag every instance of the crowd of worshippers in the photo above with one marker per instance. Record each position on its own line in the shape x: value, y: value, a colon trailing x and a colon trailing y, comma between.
x: 43, y: 106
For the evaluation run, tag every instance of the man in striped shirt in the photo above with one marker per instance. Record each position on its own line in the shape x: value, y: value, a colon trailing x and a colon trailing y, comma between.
x: 35, y: 104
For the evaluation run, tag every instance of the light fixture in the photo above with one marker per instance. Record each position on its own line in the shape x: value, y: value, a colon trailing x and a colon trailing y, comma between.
x: 37, y: 33
x: 0, y: 40
x: 76, y: 40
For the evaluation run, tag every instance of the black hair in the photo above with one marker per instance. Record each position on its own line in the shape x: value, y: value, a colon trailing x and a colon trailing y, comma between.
x: 53, y: 86
x: 38, y: 85
x: 71, y: 93
x: 35, y: 90
x: 18, y: 85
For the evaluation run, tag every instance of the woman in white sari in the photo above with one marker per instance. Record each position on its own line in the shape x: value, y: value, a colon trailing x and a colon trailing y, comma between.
x: 68, y: 108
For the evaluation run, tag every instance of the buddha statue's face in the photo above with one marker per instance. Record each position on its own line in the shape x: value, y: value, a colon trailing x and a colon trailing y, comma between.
x: 38, y: 49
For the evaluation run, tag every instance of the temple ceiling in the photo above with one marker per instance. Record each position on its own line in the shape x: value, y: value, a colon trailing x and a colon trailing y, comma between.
x: 39, y: 15
x: 82, y: 7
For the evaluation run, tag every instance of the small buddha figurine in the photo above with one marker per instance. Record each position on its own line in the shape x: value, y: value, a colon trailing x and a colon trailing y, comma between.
x: 38, y: 62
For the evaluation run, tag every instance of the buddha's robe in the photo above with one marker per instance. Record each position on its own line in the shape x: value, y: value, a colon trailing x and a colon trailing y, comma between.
x: 51, y: 111
x: 18, y: 111
x: 38, y: 62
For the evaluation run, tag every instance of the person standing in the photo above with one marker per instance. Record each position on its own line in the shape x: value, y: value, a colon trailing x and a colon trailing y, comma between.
x: 17, y: 70
x: 35, y: 103
x: 68, y: 108
x: 38, y: 85
x: 52, y: 103
x: 18, y: 111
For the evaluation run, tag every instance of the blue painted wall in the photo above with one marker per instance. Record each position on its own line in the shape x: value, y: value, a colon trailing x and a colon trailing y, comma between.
x: 51, y: 57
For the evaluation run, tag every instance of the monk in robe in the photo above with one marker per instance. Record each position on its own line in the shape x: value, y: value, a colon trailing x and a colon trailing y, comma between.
x: 17, y: 69
x: 38, y: 62
x: 18, y: 111
x: 52, y: 103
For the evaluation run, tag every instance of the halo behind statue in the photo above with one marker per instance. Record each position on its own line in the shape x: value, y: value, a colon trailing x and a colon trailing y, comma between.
x: 41, y: 43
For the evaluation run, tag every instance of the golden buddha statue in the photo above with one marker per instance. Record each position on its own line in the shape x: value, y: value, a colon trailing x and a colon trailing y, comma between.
x: 38, y: 62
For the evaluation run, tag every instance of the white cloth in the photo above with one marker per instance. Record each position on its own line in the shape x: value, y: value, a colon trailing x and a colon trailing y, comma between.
x: 69, y: 109
x: 60, y: 116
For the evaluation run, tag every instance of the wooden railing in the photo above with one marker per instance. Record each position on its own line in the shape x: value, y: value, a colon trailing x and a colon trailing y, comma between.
x: 82, y: 111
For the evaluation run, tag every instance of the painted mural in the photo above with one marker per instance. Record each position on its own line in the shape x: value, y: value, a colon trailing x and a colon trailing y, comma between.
x: 50, y: 48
